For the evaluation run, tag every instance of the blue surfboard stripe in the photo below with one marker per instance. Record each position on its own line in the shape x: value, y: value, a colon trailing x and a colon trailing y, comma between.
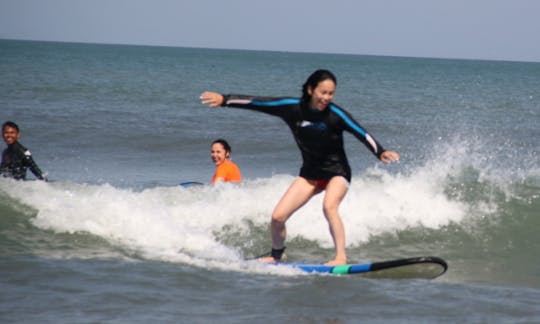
x: 359, y: 268
x: 321, y: 268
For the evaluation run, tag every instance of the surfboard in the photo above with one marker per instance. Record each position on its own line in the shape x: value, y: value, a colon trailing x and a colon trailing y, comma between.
x: 427, y: 267
x: 189, y: 184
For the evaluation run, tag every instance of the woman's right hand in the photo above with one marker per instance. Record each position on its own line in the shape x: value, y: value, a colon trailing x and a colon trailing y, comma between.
x: 212, y: 99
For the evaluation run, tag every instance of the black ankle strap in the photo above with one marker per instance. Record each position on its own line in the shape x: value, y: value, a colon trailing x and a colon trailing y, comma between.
x: 277, y: 253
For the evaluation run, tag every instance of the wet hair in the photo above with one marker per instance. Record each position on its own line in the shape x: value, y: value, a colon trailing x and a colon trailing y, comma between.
x: 313, y: 81
x: 10, y: 124
x: 224, y: 143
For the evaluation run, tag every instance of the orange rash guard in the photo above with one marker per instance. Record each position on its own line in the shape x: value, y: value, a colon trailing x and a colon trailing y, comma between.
x: 228, y: 171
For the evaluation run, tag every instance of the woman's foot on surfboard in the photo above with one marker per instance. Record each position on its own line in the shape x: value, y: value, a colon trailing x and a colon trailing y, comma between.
x: 336, y: 261
x: 268, y: 259
x: 277, y: 255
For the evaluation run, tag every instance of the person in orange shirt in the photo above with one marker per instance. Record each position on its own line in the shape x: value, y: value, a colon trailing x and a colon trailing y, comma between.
x: 226, y: 170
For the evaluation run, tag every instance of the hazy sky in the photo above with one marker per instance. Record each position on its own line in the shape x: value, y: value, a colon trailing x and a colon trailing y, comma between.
x: 484, y: 29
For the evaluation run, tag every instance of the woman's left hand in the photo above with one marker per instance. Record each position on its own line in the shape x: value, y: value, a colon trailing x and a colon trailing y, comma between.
x: 389, y: 156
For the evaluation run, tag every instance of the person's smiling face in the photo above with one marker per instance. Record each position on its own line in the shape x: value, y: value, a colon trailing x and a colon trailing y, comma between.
x: 218, y: 153
x: 322, y: 95
x: 10, y: 134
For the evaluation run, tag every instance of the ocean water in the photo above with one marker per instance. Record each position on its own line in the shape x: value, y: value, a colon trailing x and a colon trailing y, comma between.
x: 113, y: 238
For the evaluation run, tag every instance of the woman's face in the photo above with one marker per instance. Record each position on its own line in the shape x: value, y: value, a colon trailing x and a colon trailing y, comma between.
x: 10, y: 134
x: 218, y: 153
x: 322, y: 95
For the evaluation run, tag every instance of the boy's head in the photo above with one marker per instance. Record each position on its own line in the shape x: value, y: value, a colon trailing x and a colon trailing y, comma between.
x: 10, y: 132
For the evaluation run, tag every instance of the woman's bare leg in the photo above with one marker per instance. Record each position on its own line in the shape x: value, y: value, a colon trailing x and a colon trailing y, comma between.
x: 299, y: 192
x: 335, y: 192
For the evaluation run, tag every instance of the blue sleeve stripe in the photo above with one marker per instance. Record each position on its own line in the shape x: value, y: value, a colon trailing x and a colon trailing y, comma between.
x: 347, y: 120
x: 279, y: 102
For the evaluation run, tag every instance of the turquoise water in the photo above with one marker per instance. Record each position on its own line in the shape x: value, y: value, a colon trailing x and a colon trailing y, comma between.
x: 114, y: 239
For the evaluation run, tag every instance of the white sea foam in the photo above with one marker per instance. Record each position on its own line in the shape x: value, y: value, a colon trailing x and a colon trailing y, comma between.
x: 180, y: 225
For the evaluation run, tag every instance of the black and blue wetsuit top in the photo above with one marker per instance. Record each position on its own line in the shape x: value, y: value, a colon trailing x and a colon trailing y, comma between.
x: 15, y: 160
x: 318, y: 134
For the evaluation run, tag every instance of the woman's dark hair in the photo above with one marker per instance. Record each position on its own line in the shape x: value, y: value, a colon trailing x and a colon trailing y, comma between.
x: 223, y: 142
x: 314, y: 79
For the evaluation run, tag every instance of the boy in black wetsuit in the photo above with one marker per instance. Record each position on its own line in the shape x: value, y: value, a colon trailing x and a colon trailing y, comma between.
x: 16, y: 158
